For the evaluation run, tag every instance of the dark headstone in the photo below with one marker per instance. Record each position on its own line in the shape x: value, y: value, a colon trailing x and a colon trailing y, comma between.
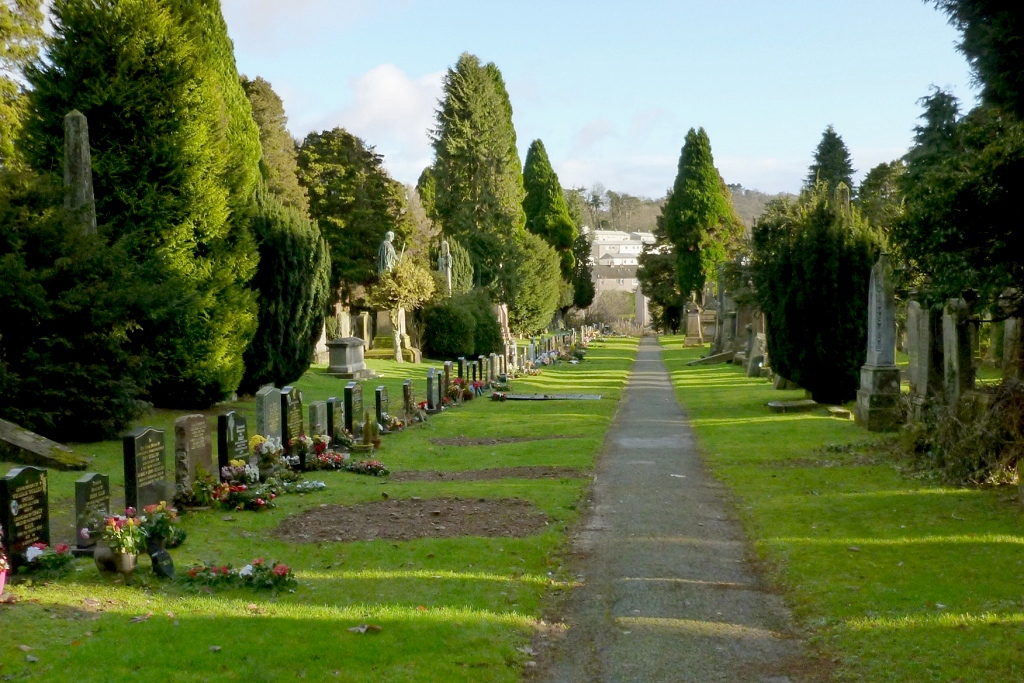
x: 24, y: 511
x: 353, y: 405
x: 92, y: 499
x: 335, y: 418
x: 462, y: 367
x: 446, y: 378
x: 193, y: 448
x: 409, y: 398
x: 431, y: 384
x: 145, y: 469
x: 383, y: 405
x: 232, y: 439
x: 291, y: 414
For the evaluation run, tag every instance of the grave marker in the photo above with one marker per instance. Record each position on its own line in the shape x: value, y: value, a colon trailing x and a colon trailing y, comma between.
x: 145, y: 473
x: 335, y: 418
x: 193, y: 448
x: 318, y: 419
x: 24, y: 511
x: 446, y: 379
x: 291, y: 414
x: 382, y: 404
x: 268, y: 412
x: 878, y: 399
x: 462, y: 367
x: 92, y: 499
x: 408, y: 399
x: 353, y: 405
x: 431, y: 382
x: 232, y: 439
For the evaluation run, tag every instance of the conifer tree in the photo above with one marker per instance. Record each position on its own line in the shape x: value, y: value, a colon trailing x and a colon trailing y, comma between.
x: 279, y: 163
x: 698, y: 219
x: 547, y: 214
x: 536, y: 294
x: 832, y: 163
x: 477, y: 176
x: 21, y: 31
x: 354, y: 201
x: 165, y: 173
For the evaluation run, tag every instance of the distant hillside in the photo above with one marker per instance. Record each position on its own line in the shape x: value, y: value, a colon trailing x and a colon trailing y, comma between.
x: 750, y: 204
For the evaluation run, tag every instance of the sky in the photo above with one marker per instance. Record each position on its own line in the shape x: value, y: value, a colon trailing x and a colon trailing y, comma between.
x: 613, y: 87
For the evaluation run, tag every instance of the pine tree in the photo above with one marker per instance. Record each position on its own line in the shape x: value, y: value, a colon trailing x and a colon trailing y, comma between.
x: 698, y: 219
x: 21, y: 31
x: 536, y: 294
x: 355, y: 202
x: 462, y: 267
x: 169, y: 167
x: 477, y: 176
x: 279, y: 163
x: 832, y: 163
x: 293, y: 284
x: 547, y: 214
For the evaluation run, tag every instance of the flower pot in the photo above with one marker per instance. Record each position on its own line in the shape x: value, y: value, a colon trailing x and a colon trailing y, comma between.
x: 126, y: 564
x: 3, y: 580
x: 103, y: 556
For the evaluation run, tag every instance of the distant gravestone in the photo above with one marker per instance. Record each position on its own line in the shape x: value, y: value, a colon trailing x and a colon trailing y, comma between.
x: 335, y: 418
x: 318, y: 418
x: 24, y: 511
x: 145, y: 468
x: 92, y: 500
x: 232, y: 439
x: 878, y: 399
x: 193, y: 449
x: 924, y: 340
x: 353, y: 405
x: 408, y: 398
x: 382, y: 404
x: 462, y: 367
x: 958, y: 353
x: 446, y: 378
x: 492, y: 367
x: 268, y: 412
x: 291, y: 414
x: 431, y: 383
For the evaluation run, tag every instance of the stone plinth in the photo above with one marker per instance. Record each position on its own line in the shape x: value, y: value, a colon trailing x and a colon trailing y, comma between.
x: 346, y: 359
x: 383, y: 346
x: 878, y: 399
x: 694, y: 329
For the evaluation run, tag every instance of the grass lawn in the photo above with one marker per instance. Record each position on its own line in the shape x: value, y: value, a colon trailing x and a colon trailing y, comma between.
x: 898, y: 578
x: 451, y: 609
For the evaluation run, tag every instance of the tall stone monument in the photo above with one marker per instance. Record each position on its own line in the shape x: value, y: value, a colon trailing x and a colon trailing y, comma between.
x: 957, y: 351
x: 78, y: 194
x: 878, y: 400
x: 924, y: 348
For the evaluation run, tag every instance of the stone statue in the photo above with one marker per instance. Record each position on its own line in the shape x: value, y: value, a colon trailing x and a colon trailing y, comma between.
x: 386, y: 256
x: 444, y: 264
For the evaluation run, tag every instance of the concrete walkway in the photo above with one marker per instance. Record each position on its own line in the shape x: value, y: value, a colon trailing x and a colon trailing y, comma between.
x: 668, y: 594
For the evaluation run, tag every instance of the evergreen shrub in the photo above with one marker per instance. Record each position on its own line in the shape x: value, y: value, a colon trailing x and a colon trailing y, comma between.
x: 449, y: 331
x: 487, y: 337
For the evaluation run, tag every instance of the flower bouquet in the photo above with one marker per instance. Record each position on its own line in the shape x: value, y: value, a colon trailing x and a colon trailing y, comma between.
x: 301, y: 487
x: 5, y: 566
x: 374, y: 468
x: 330, y: 460
x: 244, y: 497
x: 258, y: 575
x: 266, y: 451
x: 46, y: 560
x: 125, y: 534
x: 499, y: 396
x: 161, y: 526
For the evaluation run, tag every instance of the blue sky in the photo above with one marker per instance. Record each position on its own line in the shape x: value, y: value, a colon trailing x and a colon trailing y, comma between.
x: 612, y: 87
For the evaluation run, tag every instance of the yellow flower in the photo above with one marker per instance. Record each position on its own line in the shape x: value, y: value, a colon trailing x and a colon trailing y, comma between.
x: 237, y: 463
x: 256, y: 441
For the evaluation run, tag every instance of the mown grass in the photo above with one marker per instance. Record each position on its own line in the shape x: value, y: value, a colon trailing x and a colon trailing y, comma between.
x: 451, y: 609
x: 901, y: 579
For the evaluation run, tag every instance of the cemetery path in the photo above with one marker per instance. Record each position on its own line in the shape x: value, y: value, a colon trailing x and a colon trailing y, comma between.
x: 668, y: 593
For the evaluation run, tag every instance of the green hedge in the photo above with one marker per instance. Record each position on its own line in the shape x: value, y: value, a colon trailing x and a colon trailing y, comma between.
x: 449, y: 331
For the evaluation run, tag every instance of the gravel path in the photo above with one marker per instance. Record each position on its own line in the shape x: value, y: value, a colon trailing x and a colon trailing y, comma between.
x: 668, y: 594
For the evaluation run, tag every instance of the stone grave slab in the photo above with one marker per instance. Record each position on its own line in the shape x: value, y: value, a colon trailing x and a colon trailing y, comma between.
x: 318, y: 418
x: 800, y: 406
x: 268, y: 412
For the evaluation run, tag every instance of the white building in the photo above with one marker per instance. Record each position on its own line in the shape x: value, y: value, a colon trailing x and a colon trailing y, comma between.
x: 615, y: 255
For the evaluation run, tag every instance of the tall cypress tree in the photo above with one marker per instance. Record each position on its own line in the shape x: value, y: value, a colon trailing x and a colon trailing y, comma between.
x: 698, y: 219
x: 164, y: 179
x: 832, y: 162
x: 279, y: 165
x: 477, y: 175
x: 547, y: 214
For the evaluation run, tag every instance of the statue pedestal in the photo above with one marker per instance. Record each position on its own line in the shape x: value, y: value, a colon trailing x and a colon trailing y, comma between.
x: 878, y: 399
x: 383, y: 347
x: 346, y: 359
x: 694, y: 329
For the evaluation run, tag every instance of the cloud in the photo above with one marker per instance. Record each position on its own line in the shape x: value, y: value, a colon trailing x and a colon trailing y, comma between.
x: 271, y: 26
x: 592, y: 132
x: 394, y: 113
x: 642, y: 123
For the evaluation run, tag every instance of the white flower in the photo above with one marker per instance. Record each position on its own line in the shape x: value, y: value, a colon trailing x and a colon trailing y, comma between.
x: 252, y: 473
x: 32, y: 553
x: 84, y: 533
x: 245, y: 571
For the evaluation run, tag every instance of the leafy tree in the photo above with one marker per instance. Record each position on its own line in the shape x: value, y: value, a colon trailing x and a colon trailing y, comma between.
x: 881, y: 196
x: 21, y: 31
x: 811, y: 267
x: 547, y: 214
x: 293, y: 284
x: 992, y: 33
x: 278, y: 165
x: 536, y: 295
x: 659, y: 282
x: 832, y: 163
x: 168, y: 169
x: 961, y: 183
x: 355, y: 202
x: 697, y: 218
x: 406, y: 286
x: 424, y: 231
x: 582, y: 273
x: 476, y: 175
x: 68, y: 302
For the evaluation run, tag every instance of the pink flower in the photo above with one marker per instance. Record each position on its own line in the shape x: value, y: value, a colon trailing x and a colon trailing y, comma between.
x: 130, y: 512
x: 39, y: 546
x: 281, y: 570
x: 61, y: 548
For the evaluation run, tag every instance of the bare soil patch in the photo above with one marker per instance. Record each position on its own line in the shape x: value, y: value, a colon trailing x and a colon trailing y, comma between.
x: 409, y: 519
x: 495, y: 441
x: 532, y: 472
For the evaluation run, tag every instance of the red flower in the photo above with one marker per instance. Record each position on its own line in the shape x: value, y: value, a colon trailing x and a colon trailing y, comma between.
x: 149, y: 509
x: 281, y: 570
x: 40, y: 546
x: 130, y: 512
x: 61, y: 548
x: 193, y: 571
x: 257, y: 562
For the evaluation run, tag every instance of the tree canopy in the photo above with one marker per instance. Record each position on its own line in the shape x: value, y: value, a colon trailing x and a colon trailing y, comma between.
x: 279, y: 162
x: 547, y: 214
x: 832, y: 163
x: 21, y: 32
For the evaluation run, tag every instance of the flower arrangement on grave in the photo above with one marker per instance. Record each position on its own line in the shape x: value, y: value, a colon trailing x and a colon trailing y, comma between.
x: 391, y: 423
x: 501, y: 386
x: 297, y: 447
x: 579, y: 353
x: 243, y: 497
x: 371, y: 431
x: 124, y: 533
x: 330, y: 460
x: 267, y: 451
x: 305, y: 486
x: 5, y: 564
x: 455, y: 390
x: 321, y: 442
x: 499, y: 396
x: 238, y: 471
x: 44, y: 559
x: 258, y: 575
x: 479, y: 388
x: 161, y: 526
x: 374, y: 468
x: 532, y: 371
x: 201, y: 495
